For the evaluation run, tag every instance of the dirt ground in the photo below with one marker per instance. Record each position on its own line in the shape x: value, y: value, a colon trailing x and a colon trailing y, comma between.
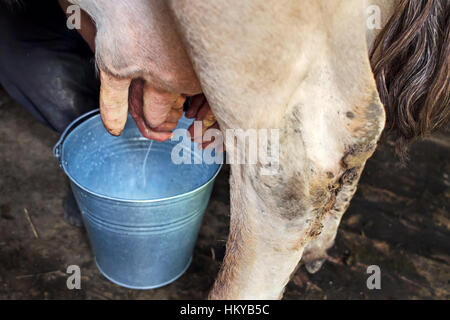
x: 398, y: 220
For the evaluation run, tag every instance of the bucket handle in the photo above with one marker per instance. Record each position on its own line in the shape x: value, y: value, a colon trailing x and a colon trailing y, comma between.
x: 69, y: 128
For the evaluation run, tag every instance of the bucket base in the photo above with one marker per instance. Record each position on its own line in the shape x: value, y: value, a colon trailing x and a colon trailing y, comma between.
x: 144, y: 288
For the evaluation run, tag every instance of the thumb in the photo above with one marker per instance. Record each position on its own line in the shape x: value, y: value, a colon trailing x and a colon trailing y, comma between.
x: 113, y: 102
x: 158, y: 105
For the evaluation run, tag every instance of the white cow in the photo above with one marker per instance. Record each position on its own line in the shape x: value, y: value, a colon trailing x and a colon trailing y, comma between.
x: 300, y: 66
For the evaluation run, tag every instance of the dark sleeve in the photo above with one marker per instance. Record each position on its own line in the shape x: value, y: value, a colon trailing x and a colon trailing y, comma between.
x: 46, y: 67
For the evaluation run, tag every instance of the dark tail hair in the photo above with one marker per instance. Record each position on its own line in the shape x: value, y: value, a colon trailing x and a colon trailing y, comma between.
x: 410, y: 62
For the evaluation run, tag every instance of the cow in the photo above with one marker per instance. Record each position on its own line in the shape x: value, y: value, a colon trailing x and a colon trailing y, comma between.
x: 312, y: 69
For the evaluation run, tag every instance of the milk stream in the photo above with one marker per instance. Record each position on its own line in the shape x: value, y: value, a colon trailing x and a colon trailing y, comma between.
x: 144, y: 165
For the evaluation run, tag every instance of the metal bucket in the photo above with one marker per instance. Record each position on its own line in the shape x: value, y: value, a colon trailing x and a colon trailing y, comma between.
x: 142, y: 229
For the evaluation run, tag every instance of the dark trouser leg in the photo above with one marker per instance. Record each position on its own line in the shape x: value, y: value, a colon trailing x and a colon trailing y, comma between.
x: 47, y: 68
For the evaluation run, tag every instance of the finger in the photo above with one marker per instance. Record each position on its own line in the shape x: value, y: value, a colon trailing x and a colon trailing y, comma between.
x: 212, y: 142
x: 157, y: 105
x: 208, y: 121
x: 113, y: 102
x: 196, y: 135
x: 171, y: 121
x: 204, y: 112
x: 213, y: 145
x: 195, y: 104
x: 179, y: 104
x: 136, y: 111
x: 151, y: 133
x: 206, y: 116
x: 220, y: 147
x: 166, y: 126
x: 174, y: 115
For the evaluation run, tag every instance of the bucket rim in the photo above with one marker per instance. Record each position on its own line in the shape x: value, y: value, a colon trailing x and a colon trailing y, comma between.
x: 102, y: 196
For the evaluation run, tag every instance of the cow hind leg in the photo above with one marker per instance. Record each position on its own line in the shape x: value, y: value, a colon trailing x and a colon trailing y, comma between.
x: 275, y: 218
x: 315, y: 253
x: 303, y: 72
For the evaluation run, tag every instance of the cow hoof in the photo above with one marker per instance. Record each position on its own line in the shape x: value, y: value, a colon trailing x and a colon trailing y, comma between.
x: 314, y: 266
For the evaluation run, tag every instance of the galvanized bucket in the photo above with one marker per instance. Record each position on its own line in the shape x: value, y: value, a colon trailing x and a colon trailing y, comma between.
x: 142, y: 229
